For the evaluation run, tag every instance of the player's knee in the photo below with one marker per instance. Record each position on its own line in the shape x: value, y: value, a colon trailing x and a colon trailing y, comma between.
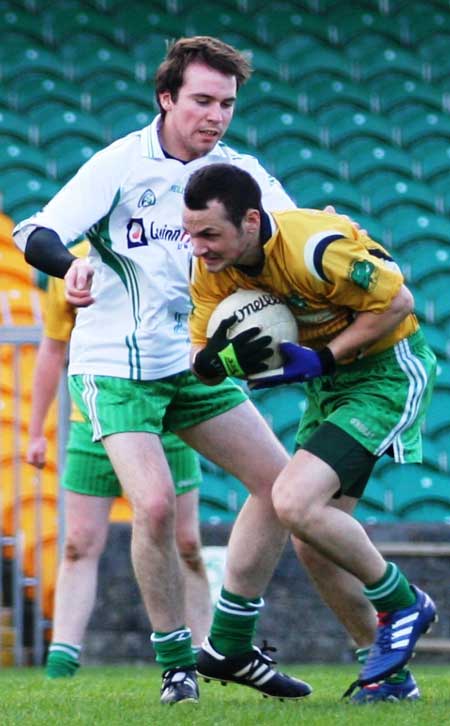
x: 189, y: 549
x: 291, y: 509
x: 83, y: 543
x: 157, y: 513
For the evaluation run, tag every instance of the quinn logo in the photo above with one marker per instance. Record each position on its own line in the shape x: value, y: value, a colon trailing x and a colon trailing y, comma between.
x: 135, y: 234
x: 148, y: 199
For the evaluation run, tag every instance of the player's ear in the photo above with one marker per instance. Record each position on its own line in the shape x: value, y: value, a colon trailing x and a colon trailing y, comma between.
x: 252, y: 220
x: 165, y: 99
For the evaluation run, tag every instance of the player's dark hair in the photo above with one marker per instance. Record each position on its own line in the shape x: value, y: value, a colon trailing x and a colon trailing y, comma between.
x: 198, y: 49
x: 235, y: 188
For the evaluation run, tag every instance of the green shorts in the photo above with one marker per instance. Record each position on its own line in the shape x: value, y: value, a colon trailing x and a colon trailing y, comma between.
x: 379, y: 401
x: 88, y: 469
x: 115, y: 405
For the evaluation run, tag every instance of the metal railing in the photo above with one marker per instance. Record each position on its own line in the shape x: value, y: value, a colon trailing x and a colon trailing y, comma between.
x: 24, y: 589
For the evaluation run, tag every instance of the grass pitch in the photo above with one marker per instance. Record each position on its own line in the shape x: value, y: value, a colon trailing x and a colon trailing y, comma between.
x: 129, y: 696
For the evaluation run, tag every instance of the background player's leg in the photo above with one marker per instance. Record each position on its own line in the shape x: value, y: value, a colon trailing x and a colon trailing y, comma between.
x: 76, y: 587
x: 198, y: 596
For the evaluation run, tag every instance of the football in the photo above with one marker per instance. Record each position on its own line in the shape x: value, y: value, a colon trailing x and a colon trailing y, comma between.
x: 257, y: 308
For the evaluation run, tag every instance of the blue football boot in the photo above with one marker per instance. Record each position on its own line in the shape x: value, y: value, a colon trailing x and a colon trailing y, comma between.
x: 397, y: 635
x: 385, y: 691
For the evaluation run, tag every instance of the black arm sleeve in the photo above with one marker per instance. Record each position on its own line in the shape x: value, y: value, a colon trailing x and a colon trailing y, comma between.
x: 45, y: 251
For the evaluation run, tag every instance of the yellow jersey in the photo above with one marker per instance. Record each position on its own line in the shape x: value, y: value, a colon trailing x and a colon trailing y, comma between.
x: 59, y: 315
x: 322, y: 267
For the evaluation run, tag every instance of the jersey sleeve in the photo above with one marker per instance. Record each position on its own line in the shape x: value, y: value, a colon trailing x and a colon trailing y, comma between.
x: 353, y: 272
x: 84, y: 200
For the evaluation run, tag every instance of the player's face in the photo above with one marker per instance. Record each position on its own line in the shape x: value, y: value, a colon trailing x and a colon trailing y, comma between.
x: 218, y: 242
x: 198, y: 119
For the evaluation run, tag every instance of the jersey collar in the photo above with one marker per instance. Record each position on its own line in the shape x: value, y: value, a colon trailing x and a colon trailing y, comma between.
x: 151, y: 147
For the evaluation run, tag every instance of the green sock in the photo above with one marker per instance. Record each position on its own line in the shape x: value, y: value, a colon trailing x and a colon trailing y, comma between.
x: 63, y: 660
x: 399, y: 677
x: 391, y: 592
x: 234, y: 623
x: 174, y: 649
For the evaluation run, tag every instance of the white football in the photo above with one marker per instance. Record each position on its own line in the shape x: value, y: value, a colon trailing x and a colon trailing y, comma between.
x: 257, y: 308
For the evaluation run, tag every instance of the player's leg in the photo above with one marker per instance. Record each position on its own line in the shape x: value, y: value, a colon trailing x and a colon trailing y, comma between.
x: 90, y: 485
x: 186, y: 473
x: 236, y: 437
x: 136, y: 411
x: 198, y: 596
x: 339, y: 589
x: 376, y: 416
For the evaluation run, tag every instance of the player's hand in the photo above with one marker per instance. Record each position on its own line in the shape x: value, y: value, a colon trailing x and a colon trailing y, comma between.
x: 299, y: 364
x: 239, y: 356
x: 78, y: 283
x: 37, y: 451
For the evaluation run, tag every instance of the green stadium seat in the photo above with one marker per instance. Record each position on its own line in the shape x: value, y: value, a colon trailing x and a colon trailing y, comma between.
x: 264, y: 63
x: 257, y: 92
x: 18, y: 155
x: 31, y: 59
x: 32, y: 89
x: 420, y: 124
x: 209, y: 19
x: 123, y: 118
x: 425, y: 259
x: 348, y: 25
x: 64, y: 23
x: 54, y: 122
x: 291, y: 155
x: 20, y: 187
x: 16, y: 21
x: 96, y: 61
x: 404, y: 63
x: 431, y: 156
x: 361, y: 156
x: 324, y: 90
x: 390, y: 95
x: 103, y: 92
x: 342, y: 123
x: 437, y: 420
x: 422, y: 21
x: 241, y: 136
x: 317, y: 60
x: 433, y: 53
x: 420, y: 490
x: 67, y: 153
x: 277, y: 24
x: 434, y: 286
x: 279, y: 123
x: 409, y: 224
x: 383, y: 190
x: 316, y: 190
x: 14, y: 125
x: 438, y: 341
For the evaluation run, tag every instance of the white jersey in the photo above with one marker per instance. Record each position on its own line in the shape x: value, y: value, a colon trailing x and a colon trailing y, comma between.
x: 127, y: 199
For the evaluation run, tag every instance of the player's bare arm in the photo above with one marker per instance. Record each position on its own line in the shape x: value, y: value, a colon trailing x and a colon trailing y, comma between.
x: 369, y: 327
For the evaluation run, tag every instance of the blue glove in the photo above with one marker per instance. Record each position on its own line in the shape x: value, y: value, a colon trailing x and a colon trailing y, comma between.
x: 300, y: 364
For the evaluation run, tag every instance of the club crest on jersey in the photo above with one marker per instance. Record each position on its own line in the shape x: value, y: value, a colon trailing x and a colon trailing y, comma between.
x: 135, y: 234
x: 147, y: 199
x: 364, y: 274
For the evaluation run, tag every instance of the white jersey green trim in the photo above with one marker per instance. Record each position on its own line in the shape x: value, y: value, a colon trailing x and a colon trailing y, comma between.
x: 128, y: 200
